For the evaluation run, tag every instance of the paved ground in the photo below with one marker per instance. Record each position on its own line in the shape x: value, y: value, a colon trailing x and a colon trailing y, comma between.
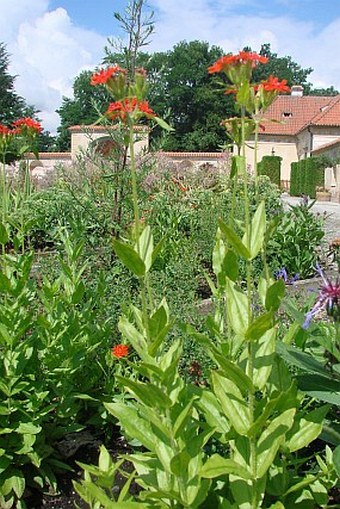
x: 332, y: 210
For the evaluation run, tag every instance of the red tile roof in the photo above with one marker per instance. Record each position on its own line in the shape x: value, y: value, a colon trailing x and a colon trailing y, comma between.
x: 294, y: 113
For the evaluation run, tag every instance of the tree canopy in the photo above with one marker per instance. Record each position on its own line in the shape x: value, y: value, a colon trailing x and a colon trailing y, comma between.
x: 84, y: 109
x: 12, y: 106
x: 182, y: 92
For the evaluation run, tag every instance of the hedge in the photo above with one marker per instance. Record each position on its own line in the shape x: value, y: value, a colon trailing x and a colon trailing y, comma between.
x: 306, y: 175
x: 271, y: 166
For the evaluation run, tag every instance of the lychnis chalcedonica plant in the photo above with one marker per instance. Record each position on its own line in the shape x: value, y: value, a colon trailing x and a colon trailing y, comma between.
x: 250, y: 410
x: 15, y: 140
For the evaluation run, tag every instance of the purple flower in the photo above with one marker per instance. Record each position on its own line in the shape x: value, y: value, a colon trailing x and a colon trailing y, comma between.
x: 328, y: 299
x: 283, y: 274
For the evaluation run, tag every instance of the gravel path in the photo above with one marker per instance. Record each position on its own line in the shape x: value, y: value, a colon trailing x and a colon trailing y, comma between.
x: 332, y: 223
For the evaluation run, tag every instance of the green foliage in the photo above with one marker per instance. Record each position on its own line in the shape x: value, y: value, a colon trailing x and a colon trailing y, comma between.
x: 82, y: 109
x: 307, y: 175
x: 12, y: 106
x: 284, y: 67
x: 296, y: 241
x: 295, y: 185
x: 271, y: 166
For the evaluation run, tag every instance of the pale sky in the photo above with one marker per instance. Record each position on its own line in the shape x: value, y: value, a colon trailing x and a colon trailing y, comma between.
x: 51, y: 41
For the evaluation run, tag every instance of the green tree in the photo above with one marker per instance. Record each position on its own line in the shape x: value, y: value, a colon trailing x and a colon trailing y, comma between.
x: 182, y: 90
x: 329, y: 91
x: 12, y: 106
x: 283, y: 68
x: 84, y: 109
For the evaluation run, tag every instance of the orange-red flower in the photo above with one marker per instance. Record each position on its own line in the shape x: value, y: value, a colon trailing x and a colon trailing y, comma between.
x: 272, y: 84
x: 223, y: 63
x: 103, y: 76
x: 120, y: 351
x: 130, y: 105
x: 28, y: 123
x: 4, y: 131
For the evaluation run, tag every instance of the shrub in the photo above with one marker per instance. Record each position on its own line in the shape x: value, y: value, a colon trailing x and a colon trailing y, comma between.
x: 271, y: 166
x: 296, y: 242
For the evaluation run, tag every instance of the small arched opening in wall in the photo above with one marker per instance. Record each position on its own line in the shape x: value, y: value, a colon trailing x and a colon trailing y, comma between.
x: 36, y: 168
x: 104, y: 146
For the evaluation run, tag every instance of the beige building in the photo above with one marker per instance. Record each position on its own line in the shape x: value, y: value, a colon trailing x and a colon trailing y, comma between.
x: 302, y: 125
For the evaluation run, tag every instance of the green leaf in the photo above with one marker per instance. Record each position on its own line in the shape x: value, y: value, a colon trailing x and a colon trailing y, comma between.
x: 5, y: 335
x: 134, y: 336
x: 232, y: 403
x: 307, y: 429
x: 271, y: 439
x: 230, y: 265
x: 4, y: 238
x: 260, y: 325
x: 145, y: 245
x: 149, y: 394
x: 163, y: 124
x: 5, y: 284
x: 237, y: 305
x: 336, y: 460
x: 264, y: 357
x: 258, y: 228
x: 12, y: 480
x: 234, y: 240
x: 274, y: 295
x: 232, y: 371
x: 28, y: 428
x: 130, y: 258
x: 179, y: 463
x: 321, y: 388
x: 211, y: 408
x: 301, y: 359
x: 135, y: 426
x: 218, y: 255
x: 217, y: 466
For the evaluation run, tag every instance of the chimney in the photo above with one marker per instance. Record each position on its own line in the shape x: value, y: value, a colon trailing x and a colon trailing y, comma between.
x: 296, y: 91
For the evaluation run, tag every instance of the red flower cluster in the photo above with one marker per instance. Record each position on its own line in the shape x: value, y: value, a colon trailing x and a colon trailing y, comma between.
x: 272, y: 84
x: 120, y: 109
x: 243, y: 57
x: 19, y: 125
x: 28, y: 123
x: 103, y: 76
x: 4, y: 131
x: 120, y: 351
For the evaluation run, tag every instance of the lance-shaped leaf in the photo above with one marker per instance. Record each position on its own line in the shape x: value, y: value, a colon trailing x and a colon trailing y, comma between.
x: 271, y: 439
x: 232, y: 403
x: 260, y: 325
x: 217, y: 466
x: 135, y: 337
x: 133, y: 424
x: 144, y: 246
x: 129, y: 257
x: 237, y: 306
x: 163, y: 124
x: 148, y: 394
x: 3, y: 234
x: 306, y: 429
x: 254, y: 241
x: 234, y: 240
x: 264, y: 358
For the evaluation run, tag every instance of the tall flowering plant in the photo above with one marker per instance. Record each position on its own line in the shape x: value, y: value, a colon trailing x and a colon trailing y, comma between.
x: 20, y: 137
x: 250, y: 409
x: 128, y: 109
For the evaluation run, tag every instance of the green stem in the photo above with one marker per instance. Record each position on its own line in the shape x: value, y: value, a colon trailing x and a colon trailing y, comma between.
x: 249, y: 281
x: 144, y: 281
